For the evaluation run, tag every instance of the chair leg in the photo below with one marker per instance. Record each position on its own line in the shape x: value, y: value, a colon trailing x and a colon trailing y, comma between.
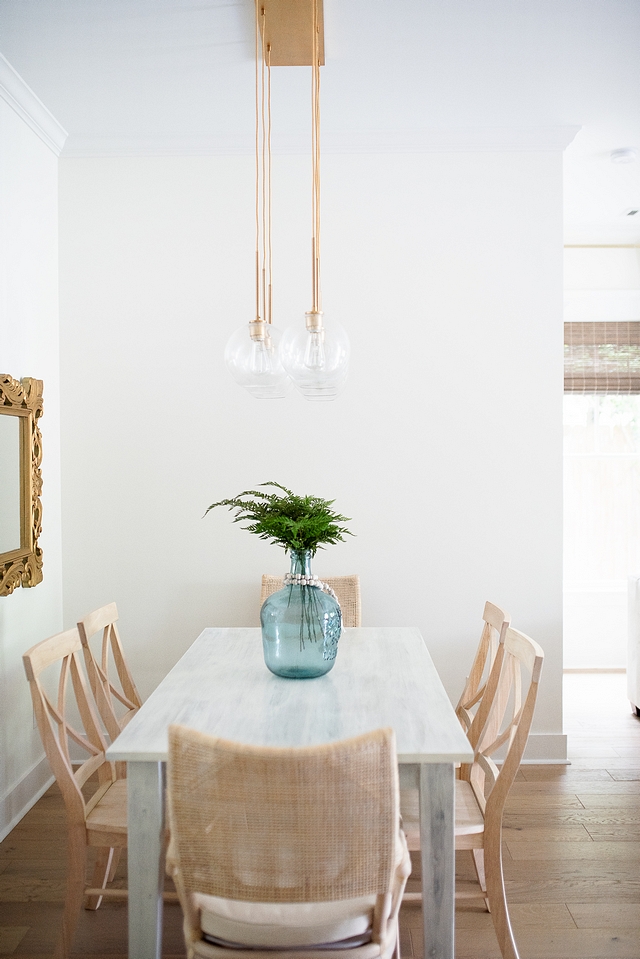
x: 396, y: 950
x: 478, y: 861
x: 115, y: 862
x: 496, y: 894
x: 101, y: 875
x: 76, y: 865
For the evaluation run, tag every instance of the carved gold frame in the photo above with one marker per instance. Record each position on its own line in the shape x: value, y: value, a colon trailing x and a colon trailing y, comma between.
x: 23, y: 566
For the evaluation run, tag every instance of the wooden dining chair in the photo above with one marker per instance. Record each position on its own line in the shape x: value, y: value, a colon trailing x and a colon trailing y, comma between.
x: 286, y: 853
x: 95, y: 799
x: 503, y: 721
x: 496, y: 621
x: 111, y: 681
x: 346, y: 588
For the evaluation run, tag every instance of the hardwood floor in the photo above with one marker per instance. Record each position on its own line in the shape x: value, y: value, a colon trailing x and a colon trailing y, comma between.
x: 571, y: 857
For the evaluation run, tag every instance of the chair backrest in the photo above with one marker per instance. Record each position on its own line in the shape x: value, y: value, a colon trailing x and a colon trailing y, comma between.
x: 274, y: 825
x: 496, y: 622
x: 111, y: 682
x: 57, y: 661
x: 346, y: 588
x: 503, y: 719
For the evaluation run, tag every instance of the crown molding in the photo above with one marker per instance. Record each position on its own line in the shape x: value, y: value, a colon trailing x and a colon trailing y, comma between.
x: 26, y: 104
x: 469, y: 140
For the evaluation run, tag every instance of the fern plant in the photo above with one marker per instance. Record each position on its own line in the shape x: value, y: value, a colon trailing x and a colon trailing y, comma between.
x: 294, y: 522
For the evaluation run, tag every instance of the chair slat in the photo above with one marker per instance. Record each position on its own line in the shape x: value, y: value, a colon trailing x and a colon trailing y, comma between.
x: 107, y: 695
x: 502, y: 721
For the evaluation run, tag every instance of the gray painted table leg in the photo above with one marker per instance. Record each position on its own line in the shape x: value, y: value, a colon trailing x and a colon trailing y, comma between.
x: 437, y: 820
x: 145, y: 803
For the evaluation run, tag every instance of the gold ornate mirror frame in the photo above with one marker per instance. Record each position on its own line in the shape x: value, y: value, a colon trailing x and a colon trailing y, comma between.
x: 23, y: 566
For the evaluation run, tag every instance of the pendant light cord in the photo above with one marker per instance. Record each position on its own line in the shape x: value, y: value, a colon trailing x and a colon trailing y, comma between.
x: 257, y: 165
x: 269, y: 245
x: 263, y: 170
x: 315, y: 142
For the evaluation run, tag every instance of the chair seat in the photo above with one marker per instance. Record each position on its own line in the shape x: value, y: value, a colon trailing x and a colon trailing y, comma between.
x: 469, y: 818
x: 285, y: 925
x: 109, y: 816
x: 288, y: 925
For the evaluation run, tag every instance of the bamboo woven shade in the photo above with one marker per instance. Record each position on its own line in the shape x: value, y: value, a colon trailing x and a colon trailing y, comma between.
x: 602, y: 357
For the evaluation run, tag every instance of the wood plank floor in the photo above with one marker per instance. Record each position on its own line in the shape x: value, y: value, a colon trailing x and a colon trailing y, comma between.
x: 571, y: 857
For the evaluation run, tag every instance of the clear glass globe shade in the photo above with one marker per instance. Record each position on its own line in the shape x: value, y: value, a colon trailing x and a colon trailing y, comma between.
x: 316, y: 360
x: 256, y: 364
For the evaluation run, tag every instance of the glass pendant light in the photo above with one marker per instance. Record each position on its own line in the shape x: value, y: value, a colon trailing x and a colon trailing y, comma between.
x: 315, y: 352
x: 252, y: 353
x: 252, y: 356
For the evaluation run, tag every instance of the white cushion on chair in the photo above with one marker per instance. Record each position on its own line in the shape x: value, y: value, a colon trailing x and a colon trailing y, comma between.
x: 285, y: 924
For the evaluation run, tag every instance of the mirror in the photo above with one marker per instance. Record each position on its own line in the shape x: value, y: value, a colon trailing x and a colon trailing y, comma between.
x: 10, y: 485
x: 20, y: 483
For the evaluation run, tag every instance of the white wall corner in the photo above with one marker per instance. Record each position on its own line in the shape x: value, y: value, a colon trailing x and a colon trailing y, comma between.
x: 27, y: 791
x: 546, y: 749
x: 23, y: 100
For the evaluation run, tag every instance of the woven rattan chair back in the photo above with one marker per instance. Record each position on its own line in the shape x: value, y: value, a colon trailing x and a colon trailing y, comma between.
x: 111, y: 681
x: 286, y: 826
x: 93, y: 820
x: 496, y: 621
x: 283, y: 825
x: 346, y: 588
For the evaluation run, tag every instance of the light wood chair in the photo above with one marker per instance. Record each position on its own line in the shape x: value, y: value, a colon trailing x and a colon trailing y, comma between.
x: 503, y: 719
x: 346, y: 588
x: 496, y: 622
x: 118, y: 699
x: 286, y: 853
x: 96, y: 820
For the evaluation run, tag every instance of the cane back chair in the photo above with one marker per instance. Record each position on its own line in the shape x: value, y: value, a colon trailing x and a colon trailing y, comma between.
x: 346, y: 588
x: 286, y: 852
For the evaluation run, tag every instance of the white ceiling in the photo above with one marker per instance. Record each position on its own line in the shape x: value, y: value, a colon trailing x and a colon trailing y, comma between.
x: 176, y: 76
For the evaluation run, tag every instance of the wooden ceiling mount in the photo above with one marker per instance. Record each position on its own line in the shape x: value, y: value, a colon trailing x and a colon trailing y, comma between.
x: 289, y: 31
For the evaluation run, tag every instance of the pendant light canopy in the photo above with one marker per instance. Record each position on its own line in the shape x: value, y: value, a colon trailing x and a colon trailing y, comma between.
x: 313, y: 354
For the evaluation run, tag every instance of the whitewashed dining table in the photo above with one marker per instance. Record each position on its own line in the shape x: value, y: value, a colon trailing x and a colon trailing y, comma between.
x: 382, y: 677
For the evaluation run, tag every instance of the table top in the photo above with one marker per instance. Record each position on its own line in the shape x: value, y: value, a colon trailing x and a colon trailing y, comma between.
x: 383, y: 676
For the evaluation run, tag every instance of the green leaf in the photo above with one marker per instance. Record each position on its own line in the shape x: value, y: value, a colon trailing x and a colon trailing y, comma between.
x: 294, y: 522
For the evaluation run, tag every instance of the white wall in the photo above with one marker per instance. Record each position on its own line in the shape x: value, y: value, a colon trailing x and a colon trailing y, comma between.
x: 446, y: 447
x: 600, y: 519
x: 29, y: 347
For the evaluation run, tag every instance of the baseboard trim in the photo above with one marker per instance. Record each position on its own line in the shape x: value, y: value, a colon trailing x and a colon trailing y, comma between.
x: 596, y: 669
x: 27, y: 791
x: 546, y: 749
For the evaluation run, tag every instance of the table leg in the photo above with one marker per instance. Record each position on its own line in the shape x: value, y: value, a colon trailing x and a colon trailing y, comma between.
x: 145, y: 791
x: 437, y: 820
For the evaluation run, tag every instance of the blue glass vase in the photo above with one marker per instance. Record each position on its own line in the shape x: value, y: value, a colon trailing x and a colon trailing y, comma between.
x: 301, y: 626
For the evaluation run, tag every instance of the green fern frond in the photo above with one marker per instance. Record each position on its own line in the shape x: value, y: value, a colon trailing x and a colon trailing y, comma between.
x: 294, y: 522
